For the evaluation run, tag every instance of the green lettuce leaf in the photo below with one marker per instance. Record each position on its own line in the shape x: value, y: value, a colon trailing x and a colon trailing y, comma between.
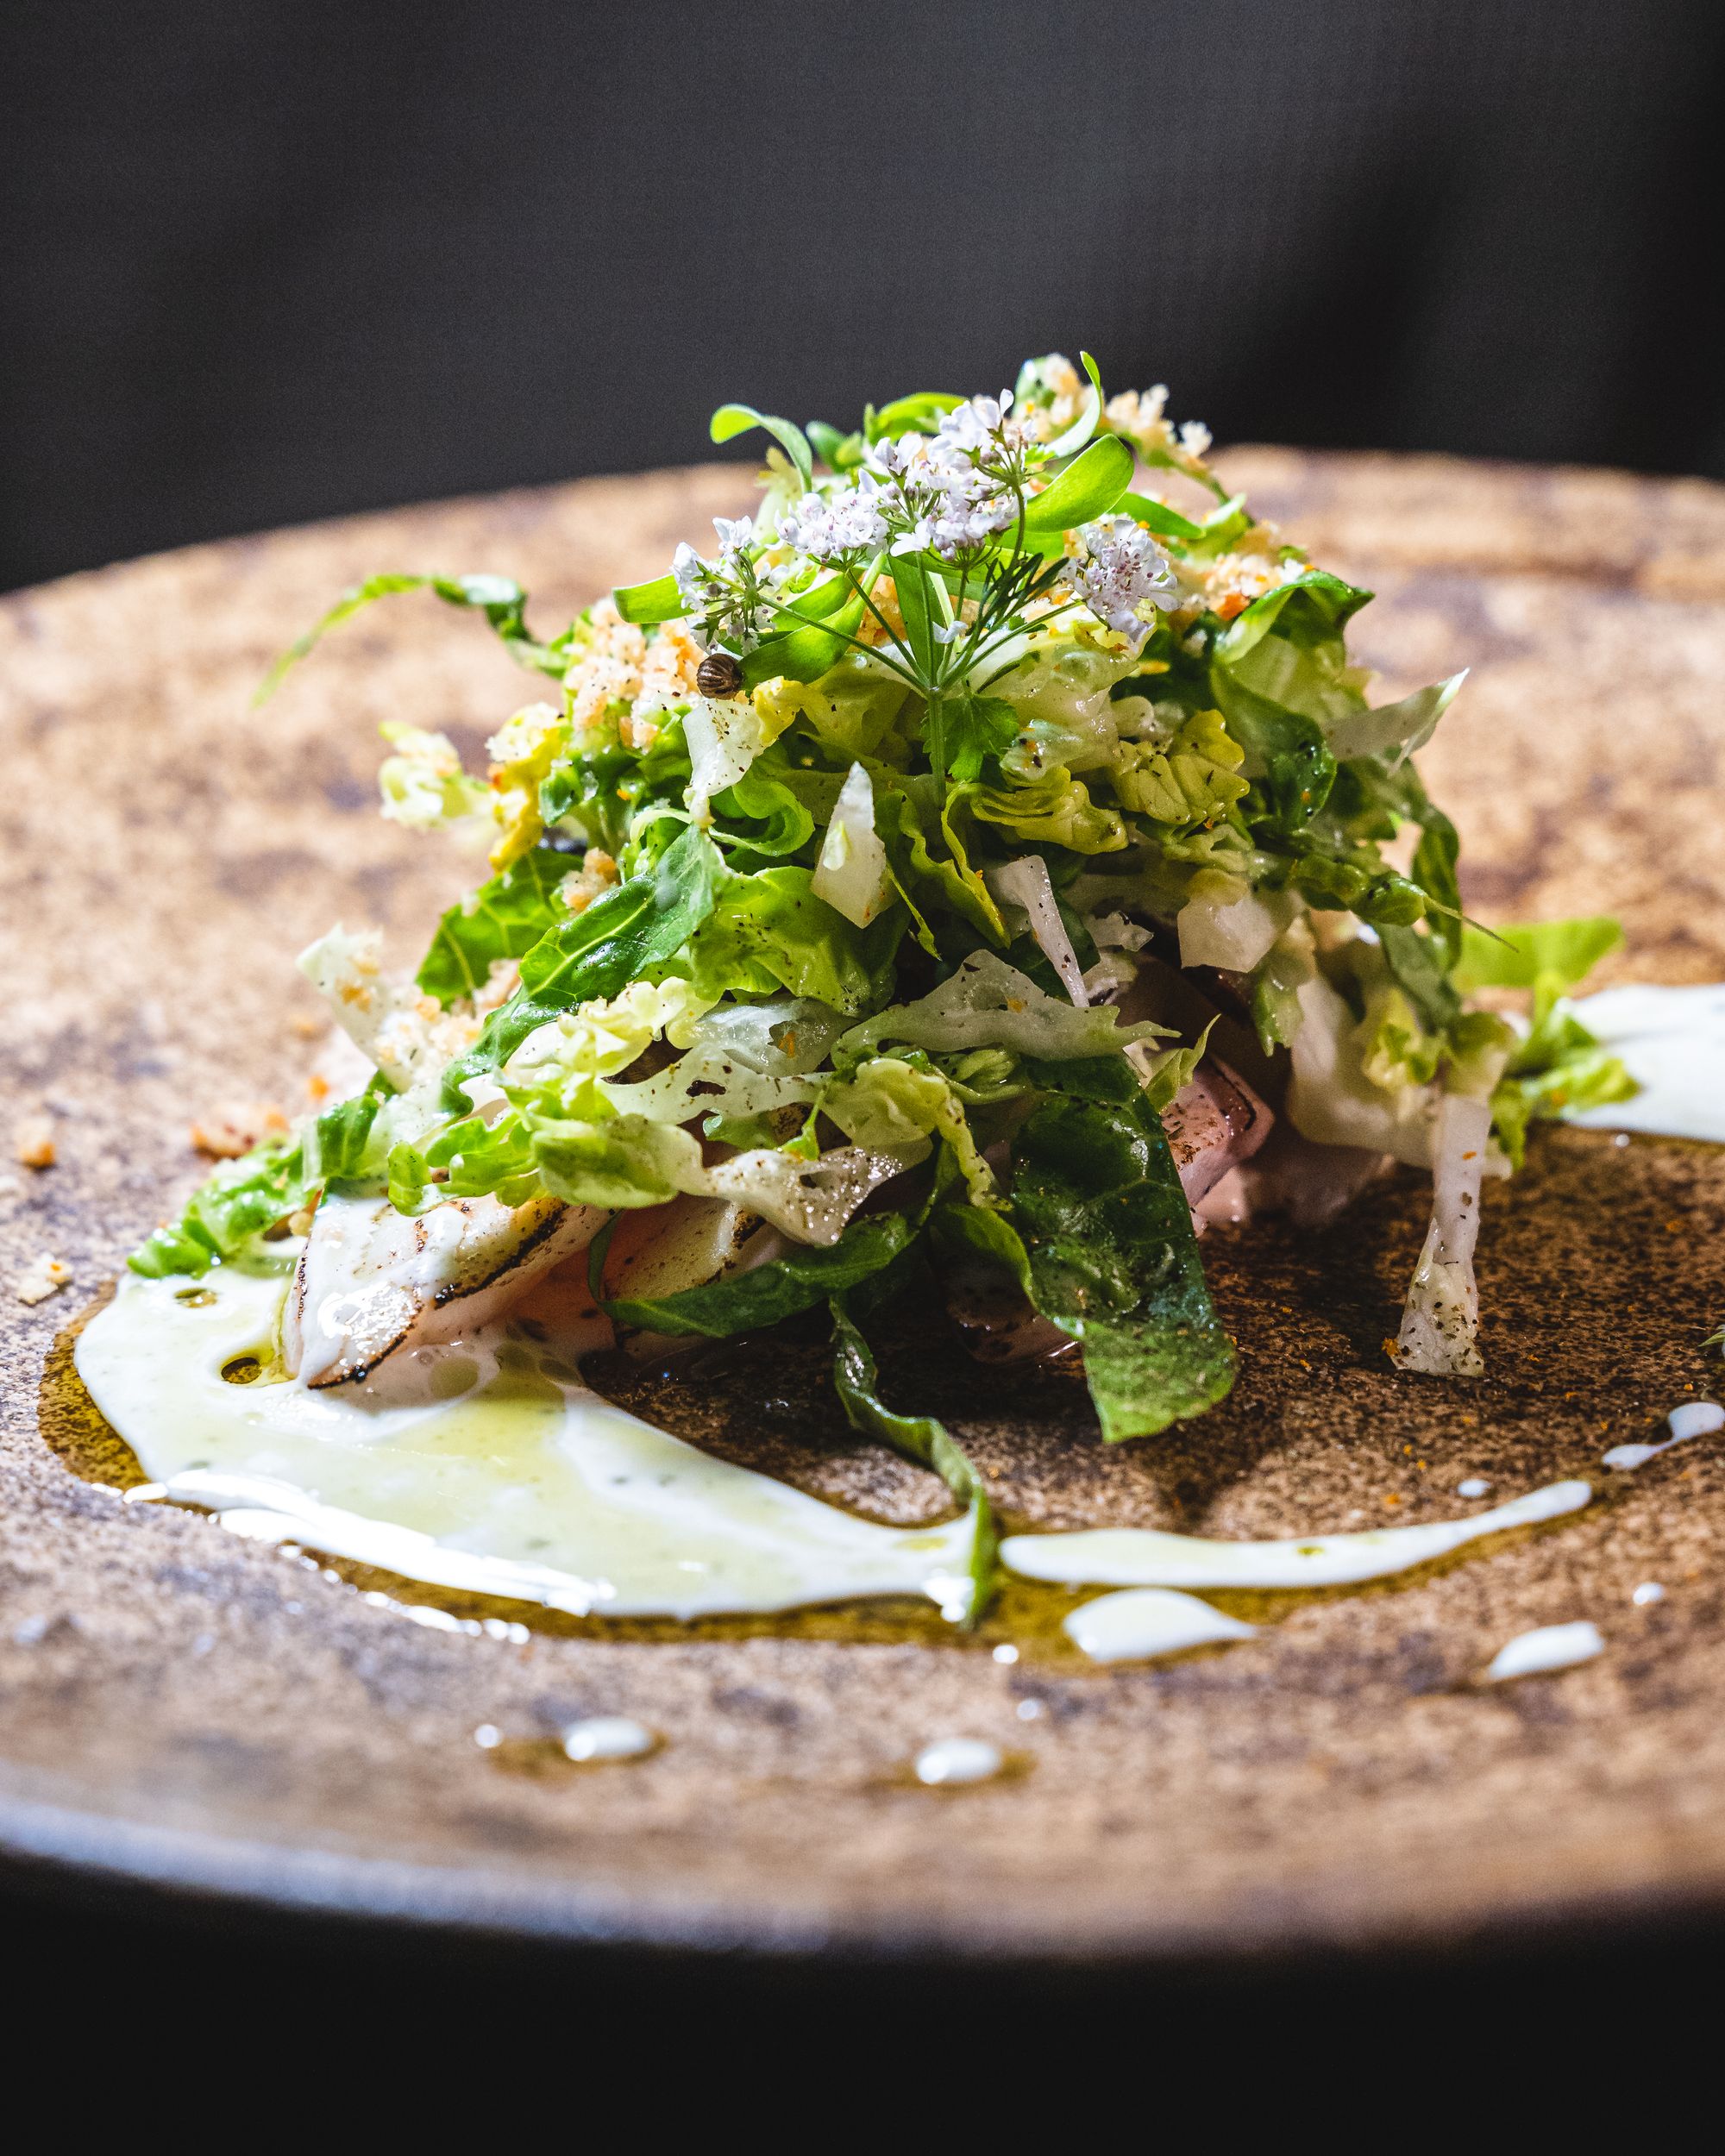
x: 799, y: 1280
x: 504, y: 919
x: 1559, y: 1068
x: 1280, y: 674
x: 1549, y: 957
x: 338, y: 1144
x: 989, y: 1003
x: 1113, y: 1259
x: 224, y: 1217
x: 920, y: 1438
x: 1196, y: 779
x: 1055, y: 809
x: 886, y: 1105
x: 645, y: 921
x: 769, y: 932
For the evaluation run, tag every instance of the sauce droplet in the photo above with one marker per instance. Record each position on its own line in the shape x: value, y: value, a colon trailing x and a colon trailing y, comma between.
x: 608, y: 1737
x: 1146, y: 1622
x: 1648, y: 1591
x: 1691, y: 1418
x: 1475, y: 1486
x: 1547, y: 1647
x: 952, y: 1760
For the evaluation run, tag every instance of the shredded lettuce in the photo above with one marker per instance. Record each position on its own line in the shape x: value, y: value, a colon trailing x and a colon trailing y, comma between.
x: 989, y: 1003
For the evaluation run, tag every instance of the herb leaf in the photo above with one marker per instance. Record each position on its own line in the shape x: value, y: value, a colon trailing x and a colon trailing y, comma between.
x: 1113, y: 1257
x: 731, y: 420
x: 1090, y: 487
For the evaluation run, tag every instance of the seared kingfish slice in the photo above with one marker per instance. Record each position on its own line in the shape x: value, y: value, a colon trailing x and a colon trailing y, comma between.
x: 371, y: 1279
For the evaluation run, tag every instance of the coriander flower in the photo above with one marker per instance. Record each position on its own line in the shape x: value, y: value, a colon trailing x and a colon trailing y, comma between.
x: 828, y: 525
x: 725, y: 593
x: 977, y: 425
x: 690, y: 574
x: 1122, y: 571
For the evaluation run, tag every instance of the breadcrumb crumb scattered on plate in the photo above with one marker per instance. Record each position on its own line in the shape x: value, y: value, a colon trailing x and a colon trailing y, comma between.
x: 234, y: 1131
x: 44, y: 1278
x: 32, y: 1141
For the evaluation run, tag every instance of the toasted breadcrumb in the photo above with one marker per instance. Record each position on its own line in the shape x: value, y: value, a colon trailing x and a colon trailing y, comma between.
x: 45, y: 1277
x: 235, y: 1130
x: 596, y: 874
x: 32, y: 1141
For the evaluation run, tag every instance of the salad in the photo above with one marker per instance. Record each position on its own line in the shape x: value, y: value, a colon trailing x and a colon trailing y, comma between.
x: 978, y: 874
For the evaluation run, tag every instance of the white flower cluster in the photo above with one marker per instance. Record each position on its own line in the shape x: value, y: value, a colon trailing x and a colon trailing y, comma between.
x: 955, y: 489
x: 725, y: 593
x: 826, y: 526
x: 1120, y: 572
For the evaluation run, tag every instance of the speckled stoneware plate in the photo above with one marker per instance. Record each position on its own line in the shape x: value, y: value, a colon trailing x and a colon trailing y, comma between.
x: 180, y: 1704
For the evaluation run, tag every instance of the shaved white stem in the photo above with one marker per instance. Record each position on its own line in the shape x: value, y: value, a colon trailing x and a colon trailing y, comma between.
x: 1440, y: 1321
x: 1025, y: 882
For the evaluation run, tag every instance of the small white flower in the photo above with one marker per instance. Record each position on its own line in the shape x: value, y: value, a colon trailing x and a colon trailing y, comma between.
x: 973, y: 426
x: 689, y: 570
x: 827, y: 525
x: 1122, y: 573
x: 735, y: 533
x: 1194, y: 438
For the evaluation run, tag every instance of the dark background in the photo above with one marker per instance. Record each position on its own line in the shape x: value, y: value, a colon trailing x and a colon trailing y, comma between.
x: 261, y: 261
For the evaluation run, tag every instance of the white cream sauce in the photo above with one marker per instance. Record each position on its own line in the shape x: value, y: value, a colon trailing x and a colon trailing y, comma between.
x: 950, y: 1761
x: 1144, y: 1556
x: 603, y: 1737
x: 1142, y: 1622
x: 483, y: 1464
x: 1672, y: 1041
x: 1548, y: 1647
x: 1692, y: 1419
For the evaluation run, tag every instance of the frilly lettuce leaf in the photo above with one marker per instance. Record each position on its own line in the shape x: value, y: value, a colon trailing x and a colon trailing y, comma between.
x: 1196, y: 779
x: 523, y: 753
x: 852, y: 708
x: 423, y: 783
x: 1055, y: 809
x: 886, y: 1105
x: 989, y: 1004
x: 1559, y: 1069
x: 223, y: 1218
x: 767, y: 931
